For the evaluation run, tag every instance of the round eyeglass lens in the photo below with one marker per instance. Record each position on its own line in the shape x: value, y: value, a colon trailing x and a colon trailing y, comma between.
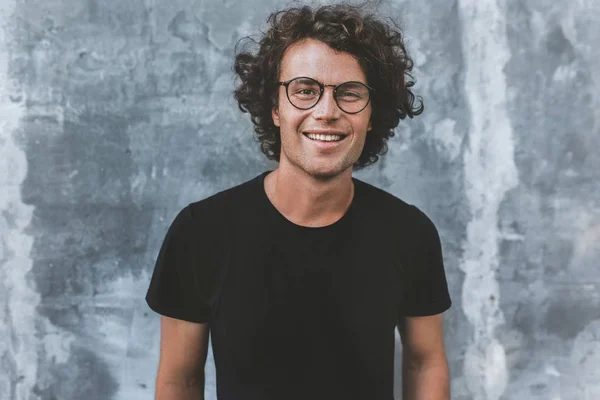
x: 351, y: 97
x: 304, y: 92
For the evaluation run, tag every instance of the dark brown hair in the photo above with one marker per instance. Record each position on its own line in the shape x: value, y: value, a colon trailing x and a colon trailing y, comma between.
x: 378, y: 47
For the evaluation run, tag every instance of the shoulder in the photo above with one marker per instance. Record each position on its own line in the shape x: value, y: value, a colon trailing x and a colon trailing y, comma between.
x: 208, y: 220
x: 389, y: 206
x: 222, y: 203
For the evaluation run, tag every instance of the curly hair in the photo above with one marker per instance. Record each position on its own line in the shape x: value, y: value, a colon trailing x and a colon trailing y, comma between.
x: 378, y: 47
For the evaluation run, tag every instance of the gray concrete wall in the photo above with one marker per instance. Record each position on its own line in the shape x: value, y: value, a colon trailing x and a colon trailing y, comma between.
x: 114, y: 114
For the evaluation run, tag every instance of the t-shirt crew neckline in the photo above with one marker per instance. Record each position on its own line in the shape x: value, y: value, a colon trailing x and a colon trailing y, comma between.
x: 281, y: 219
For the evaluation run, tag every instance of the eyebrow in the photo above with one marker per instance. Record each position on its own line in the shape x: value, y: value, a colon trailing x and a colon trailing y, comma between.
x: 307, y: 78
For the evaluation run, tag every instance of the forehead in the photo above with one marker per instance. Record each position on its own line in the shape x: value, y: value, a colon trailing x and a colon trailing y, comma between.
x: 317, y: 60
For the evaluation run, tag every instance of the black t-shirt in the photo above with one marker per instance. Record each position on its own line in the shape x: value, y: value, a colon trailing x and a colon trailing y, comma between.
x: 300, y: 312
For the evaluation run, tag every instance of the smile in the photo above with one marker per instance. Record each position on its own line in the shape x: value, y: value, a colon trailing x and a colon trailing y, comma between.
x: 324, y: 138
x: 325, y: 142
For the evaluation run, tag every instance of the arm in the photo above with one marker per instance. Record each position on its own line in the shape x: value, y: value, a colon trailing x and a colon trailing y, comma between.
x: 425, y: 374
x: 183, y: 351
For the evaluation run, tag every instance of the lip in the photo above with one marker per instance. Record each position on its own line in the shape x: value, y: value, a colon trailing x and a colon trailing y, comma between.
x: 325, y: 132
x: 325, y: 145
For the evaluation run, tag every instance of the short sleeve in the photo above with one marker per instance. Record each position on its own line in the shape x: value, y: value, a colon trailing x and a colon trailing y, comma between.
x: 426, y: 289
x: 179, y: 287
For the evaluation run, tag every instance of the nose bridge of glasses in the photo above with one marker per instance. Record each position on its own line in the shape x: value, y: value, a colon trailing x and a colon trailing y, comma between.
x: 333, y: 90
x: 330, y: 101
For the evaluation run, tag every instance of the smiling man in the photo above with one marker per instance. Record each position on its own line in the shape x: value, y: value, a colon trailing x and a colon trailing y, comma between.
x: 323, y: 126
x: 302, y: 274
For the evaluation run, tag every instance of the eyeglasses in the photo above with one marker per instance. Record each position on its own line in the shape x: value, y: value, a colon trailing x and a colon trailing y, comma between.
x: 304, y: 93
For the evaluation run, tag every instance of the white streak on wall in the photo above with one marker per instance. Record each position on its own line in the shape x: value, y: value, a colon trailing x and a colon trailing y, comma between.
x: 18, y: 300
x: 489, y: 173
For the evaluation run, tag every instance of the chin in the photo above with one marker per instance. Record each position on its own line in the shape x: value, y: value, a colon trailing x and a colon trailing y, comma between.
x: 326, y: 172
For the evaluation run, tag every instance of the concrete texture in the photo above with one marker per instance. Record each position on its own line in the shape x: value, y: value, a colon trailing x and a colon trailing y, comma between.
x: 115, y: 114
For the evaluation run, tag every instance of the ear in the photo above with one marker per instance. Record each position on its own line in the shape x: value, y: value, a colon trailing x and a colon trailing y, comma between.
x: 370, y: 126
x: 275, y: 116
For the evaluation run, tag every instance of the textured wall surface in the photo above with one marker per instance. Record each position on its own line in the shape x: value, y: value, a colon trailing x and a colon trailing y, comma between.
x: 114, y: 114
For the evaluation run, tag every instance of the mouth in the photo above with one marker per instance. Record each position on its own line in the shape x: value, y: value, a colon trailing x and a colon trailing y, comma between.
x: 325, y: 141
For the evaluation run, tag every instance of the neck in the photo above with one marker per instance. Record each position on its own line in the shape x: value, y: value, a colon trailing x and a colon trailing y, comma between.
x: 309, y: 201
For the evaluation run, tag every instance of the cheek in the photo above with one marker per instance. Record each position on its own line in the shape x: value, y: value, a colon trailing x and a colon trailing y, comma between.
x: 361, y: 124
x: 290, y: 119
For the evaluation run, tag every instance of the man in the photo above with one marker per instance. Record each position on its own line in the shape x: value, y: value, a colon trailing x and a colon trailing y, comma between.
x: 302, y: 274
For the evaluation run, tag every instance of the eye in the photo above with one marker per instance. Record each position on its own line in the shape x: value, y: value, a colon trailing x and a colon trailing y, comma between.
x: 307, y: 91
x: 348, y: 96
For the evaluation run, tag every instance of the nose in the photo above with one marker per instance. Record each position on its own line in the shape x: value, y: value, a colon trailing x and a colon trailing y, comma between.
x: 326, y: 108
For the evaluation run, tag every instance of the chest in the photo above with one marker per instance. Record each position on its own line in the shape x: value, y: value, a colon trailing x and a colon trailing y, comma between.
x: 300, y: 293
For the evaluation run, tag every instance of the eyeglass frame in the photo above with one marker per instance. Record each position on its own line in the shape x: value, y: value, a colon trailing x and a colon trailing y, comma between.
x: 322, y: 87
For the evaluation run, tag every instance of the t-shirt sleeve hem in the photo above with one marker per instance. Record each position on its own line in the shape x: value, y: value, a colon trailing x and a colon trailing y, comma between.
x: 175, y: 313
x: 426, y: 312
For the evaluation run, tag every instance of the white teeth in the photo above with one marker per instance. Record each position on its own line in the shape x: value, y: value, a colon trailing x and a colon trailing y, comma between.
x: 325, y: 138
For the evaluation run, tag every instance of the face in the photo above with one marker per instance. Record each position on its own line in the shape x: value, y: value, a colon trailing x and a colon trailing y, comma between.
x: 314, y: 59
